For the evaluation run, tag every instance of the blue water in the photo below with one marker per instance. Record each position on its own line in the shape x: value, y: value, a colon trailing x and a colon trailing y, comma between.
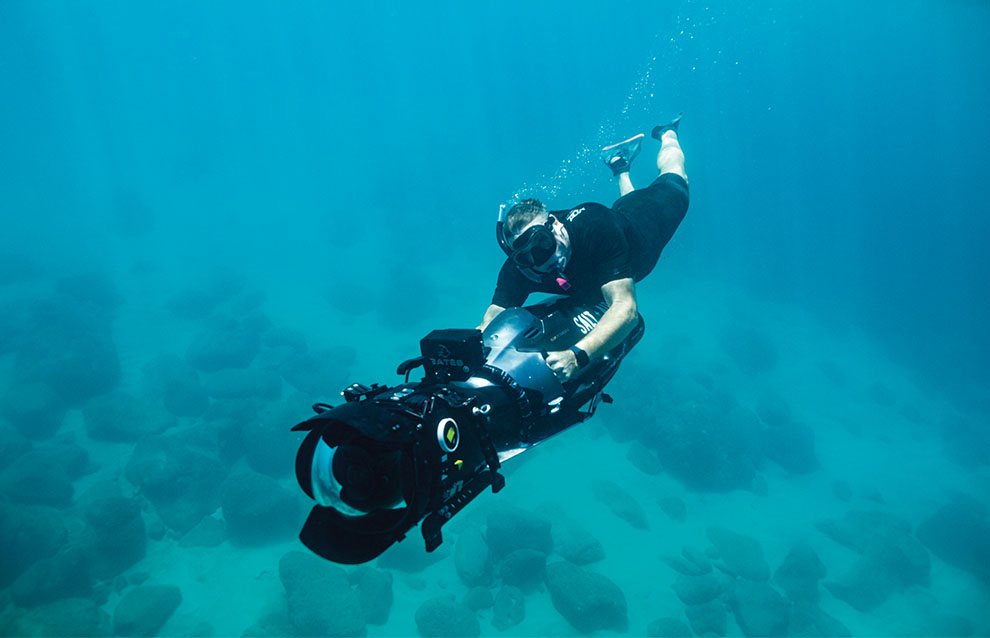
x: 336, y: 171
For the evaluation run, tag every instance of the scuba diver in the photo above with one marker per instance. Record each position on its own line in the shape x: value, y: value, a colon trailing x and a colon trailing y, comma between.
x: 391, y: 457
x: 593, y: 252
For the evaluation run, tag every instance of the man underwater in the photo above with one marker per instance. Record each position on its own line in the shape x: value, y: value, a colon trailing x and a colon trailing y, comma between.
x: 592, y: 251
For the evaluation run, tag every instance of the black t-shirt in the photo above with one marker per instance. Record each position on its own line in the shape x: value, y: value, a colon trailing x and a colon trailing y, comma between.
x: 599, y: 254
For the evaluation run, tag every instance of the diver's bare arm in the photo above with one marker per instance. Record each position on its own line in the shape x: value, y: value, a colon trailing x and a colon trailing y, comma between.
x: 617, y: 322
x: 492, y: 312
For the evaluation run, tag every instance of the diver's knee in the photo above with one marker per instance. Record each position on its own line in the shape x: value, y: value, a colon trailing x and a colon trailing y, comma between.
x: 676, y: 169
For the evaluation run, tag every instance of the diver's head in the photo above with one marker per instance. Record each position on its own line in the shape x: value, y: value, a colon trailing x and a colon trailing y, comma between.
x: 534, y: 239
x: 523, y: 214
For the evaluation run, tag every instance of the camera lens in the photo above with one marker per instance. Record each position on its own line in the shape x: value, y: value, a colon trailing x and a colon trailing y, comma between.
x: 356, y: 478
x: 354, y: 469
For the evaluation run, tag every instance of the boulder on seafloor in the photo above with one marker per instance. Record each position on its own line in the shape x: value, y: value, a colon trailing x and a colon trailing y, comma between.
x: 318, y: 374
x: 64, y: 575
x: 224, y: 342
x: 698, y: 557
x: 867, y: 583
x: 45, y: 474
x: 966, y: 440
x: 668, y: 628
x: 65, y: 617
x: 749, y: 348
x: 479, y: 598
x: 93, y: 291
x: 691, y: 562
x: 32, y: 480
x: 444, y: 617
x: 620, y: 502
x: 708, y: 448
x: 472, y: 558
x: 374, y: 588
x: 115, y: 537
x: 772, y: 408
x: 69, y: 349
x: 800, y: 572
x: 35, y: 409
x: 696, y: 589
x: 575, y: 543
x: 192, y: 304
x: 589, y: 601
x: 179, y: 385
x: 791, y: 446
x: 509, y: 608
x: 288, y: 338
x: 759, y: 609
x: 181, y: 481
x: 320, y: 599
x: 523, y: 568
x: 143, y: 611
x: 243, y: 383
x: 742, y: 555
x: 891, y: 558
x: 863, y: 587
x: 674, y: 508
x: 861, y: 530
x: 267, y: 447
x: 708, y: 619
x: 511, y: 528
x: 644, y: 459
x: 185, y: 398
x: 13, y: 444
x: 959, y: 534
x: 27, y: 534
x: 258, y: 510
x: 119, y: 417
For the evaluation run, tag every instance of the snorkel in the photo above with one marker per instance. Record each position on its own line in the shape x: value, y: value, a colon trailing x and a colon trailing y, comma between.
x: 503, y: 242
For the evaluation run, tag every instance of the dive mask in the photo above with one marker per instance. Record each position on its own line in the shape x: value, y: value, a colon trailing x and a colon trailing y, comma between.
x: 535, y: 248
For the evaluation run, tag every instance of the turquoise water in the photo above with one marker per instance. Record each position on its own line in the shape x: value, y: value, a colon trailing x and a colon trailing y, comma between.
x: 215, y: 214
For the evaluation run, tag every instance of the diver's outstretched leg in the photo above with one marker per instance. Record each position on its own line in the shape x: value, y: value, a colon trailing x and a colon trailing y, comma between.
x: 619, y: 157
x: 670, y: 159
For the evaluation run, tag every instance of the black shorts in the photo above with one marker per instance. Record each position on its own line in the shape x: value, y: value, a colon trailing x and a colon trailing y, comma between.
x: 653, y: 214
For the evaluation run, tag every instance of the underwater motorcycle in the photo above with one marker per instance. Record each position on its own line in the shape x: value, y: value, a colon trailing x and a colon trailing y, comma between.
x: 389, y: 457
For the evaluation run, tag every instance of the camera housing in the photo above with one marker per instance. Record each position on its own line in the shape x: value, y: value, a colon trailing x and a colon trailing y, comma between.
x: 390, y: 457
x: 452, y: 354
